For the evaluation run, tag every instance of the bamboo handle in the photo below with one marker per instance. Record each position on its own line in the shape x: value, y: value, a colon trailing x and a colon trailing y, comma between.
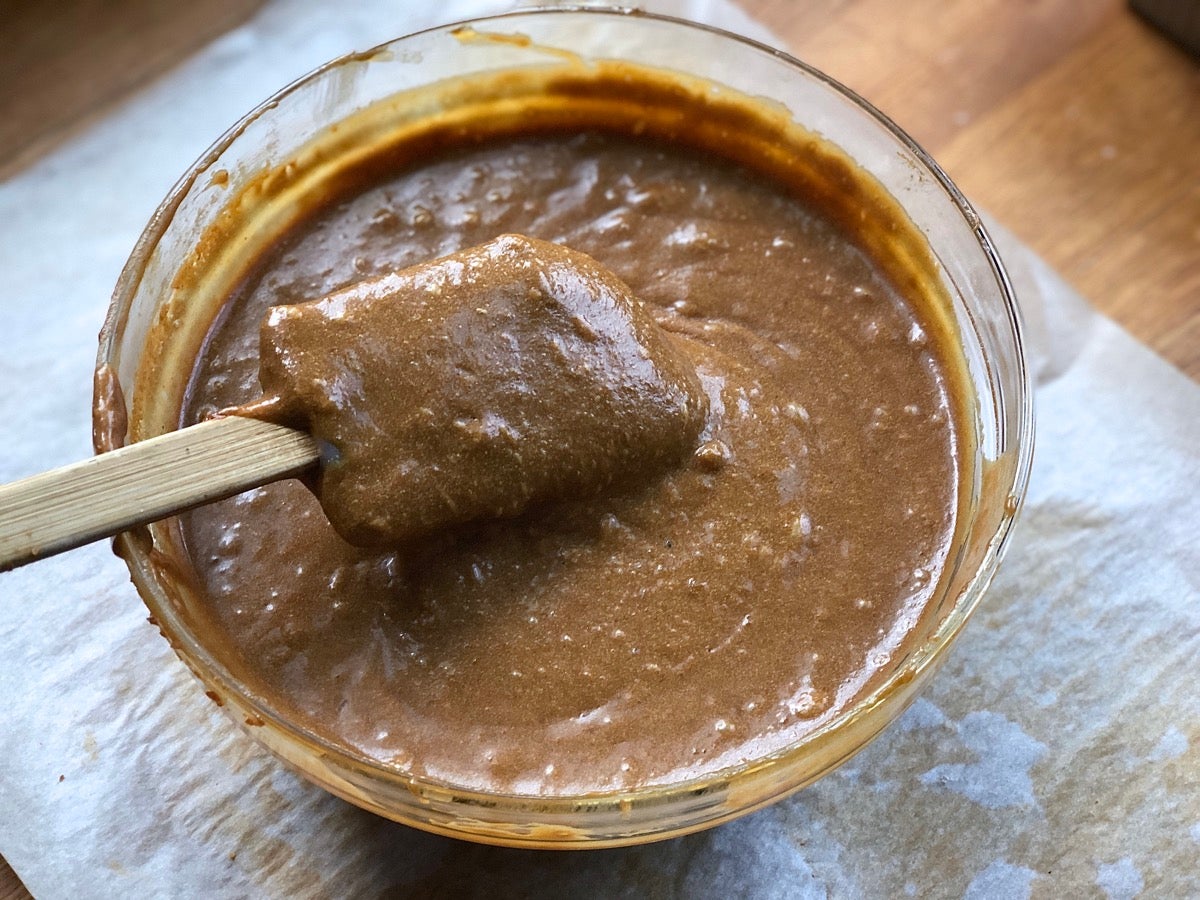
x: 143, y: 482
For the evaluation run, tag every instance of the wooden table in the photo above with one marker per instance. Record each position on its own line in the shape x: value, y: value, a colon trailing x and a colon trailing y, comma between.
x: 1071, y: 121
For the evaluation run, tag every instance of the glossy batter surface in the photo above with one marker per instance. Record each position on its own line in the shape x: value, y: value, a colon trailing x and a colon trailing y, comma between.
x: 715, y: 613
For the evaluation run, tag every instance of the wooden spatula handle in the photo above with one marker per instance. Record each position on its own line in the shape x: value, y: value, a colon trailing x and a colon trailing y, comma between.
x: 143, y: 482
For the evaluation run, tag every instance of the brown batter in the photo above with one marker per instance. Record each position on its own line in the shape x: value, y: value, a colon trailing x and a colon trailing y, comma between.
x: 711, y: 614
x: 475, y: 386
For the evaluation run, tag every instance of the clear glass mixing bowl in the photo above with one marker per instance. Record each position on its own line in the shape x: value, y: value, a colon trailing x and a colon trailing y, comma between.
x: 157, y: 321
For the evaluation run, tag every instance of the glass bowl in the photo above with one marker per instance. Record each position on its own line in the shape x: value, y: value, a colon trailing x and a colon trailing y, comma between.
x: 160, y: 313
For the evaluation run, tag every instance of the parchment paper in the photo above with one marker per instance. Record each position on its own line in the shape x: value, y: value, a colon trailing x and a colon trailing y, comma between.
x: 1057, y: 754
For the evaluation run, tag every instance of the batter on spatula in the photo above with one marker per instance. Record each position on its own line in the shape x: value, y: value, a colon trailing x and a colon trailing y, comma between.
x: 476, y: 385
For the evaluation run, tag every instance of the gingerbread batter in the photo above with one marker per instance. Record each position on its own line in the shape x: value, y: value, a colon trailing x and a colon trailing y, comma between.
x: 719, y: 608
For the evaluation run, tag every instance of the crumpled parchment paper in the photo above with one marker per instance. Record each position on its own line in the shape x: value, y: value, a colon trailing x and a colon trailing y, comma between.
x: 1056, y: 754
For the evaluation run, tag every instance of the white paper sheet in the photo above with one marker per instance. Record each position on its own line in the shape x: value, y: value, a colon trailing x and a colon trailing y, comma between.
x: 1057, y: 754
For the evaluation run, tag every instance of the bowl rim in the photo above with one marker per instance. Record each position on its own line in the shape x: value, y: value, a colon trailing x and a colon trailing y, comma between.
x: 918, y: 660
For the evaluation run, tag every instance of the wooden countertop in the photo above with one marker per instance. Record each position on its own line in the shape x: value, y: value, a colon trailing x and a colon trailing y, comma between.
x: 1071, y: 121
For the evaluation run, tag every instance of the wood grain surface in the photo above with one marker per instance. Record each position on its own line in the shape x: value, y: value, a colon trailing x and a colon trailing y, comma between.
x: 1072, y: 121
x: 144, y: 482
